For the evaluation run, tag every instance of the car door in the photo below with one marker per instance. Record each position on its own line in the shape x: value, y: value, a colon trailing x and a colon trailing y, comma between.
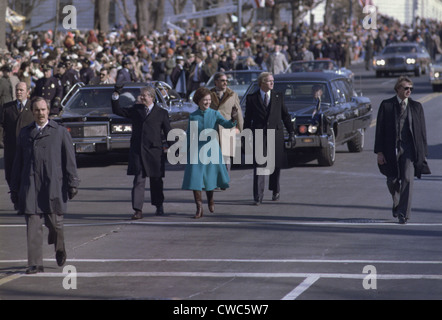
x: 342, y: 99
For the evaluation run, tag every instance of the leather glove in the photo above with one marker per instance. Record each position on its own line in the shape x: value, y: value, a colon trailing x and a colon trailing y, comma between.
x: 72, y: 193
x: 292, y: 139
x: 14, y: 197
x: 118, y: 88
x: 234, y: 113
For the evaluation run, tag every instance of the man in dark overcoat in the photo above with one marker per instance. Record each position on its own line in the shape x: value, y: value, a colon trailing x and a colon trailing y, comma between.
x: 150, y: 124
x: 265, y: 110
x: 401, y: 145
x: 14, y: 116
x: 44, y: 176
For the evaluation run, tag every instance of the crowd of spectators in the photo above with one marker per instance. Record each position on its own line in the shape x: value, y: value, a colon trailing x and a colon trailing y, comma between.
x: 185, y: 60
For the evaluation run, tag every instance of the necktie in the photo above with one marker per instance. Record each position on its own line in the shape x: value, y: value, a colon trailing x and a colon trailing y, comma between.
x: 403, y: 107
x: 20, y: 107
x: 266, y: 100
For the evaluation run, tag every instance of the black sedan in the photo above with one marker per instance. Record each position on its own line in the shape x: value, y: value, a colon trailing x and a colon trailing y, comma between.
x: 405, y: 57
x: 87, y: 115
x: 325, y: 113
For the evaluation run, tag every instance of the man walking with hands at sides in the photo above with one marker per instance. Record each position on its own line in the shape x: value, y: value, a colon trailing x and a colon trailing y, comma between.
x: 146, y: 156
x: 14, y: 116
x: 401, y: 145
x: 265, y: 110
x: 44, y: 176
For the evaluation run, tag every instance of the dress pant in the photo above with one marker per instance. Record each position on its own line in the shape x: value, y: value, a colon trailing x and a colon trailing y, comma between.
x: 34, y: 229
x: 156, y: 191
x: 259, y: 183
x: 401, y: 188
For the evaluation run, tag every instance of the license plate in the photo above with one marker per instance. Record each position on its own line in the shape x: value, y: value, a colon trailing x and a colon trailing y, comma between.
x: 85, y: 148
x: 307, y: 140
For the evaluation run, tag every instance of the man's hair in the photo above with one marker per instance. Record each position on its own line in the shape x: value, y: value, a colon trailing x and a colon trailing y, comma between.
x: 150, y: 90
x: 262, y: 76
x: 400, y: 80
x: 38, y: 99
x: 219, y: 75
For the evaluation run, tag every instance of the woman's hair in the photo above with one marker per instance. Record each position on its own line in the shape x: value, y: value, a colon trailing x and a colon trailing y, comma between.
x: 200, y: 93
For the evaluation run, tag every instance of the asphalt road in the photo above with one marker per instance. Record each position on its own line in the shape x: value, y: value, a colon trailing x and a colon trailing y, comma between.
x: 331, y: 236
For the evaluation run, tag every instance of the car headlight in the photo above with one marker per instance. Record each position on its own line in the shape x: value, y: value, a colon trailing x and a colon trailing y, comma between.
x: 410, y: 61
x: 436, y: 74
x: 380, y: 62
x: 121, y: 128
x: 312, y: 129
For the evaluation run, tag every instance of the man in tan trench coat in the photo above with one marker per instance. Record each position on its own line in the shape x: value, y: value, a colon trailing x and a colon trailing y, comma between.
x: 223, y: 100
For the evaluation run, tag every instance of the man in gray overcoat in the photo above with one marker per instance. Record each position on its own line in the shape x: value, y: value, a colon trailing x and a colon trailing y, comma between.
x: 44, y: 176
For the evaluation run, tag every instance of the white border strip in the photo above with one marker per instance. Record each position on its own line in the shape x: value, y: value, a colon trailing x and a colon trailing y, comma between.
x: 307, y: 283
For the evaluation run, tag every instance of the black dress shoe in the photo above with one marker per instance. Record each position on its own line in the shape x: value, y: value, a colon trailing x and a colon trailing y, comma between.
x: 160, y: 211
x: 275, y: 196
x: 257, y: 202
x: 60, y: 256
x: 137, y: 215
x: 34, y: 269
x: 402, y: 219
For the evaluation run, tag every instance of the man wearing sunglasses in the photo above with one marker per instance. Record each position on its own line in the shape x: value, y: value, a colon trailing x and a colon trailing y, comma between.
x: 401, y: 145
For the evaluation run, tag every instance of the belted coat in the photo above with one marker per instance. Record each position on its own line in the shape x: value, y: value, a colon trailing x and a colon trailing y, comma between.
x: 44, y: 169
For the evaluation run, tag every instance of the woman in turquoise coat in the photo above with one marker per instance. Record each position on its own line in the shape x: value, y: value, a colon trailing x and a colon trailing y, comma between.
x: 205, y: 169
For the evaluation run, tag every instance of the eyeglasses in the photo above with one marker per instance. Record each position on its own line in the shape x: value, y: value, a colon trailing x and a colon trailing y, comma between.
x: 223, y: 80
x: 103, y: 74
x: 408, y: 88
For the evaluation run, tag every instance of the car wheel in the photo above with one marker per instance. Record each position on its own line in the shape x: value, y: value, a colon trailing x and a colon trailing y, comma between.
x: 327, y: 154
x: 357, y: 143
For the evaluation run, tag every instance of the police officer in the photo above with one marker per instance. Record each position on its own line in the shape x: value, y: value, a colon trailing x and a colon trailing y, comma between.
x: 49, y: 88
x: 71, y: 76
x: 59, y: 74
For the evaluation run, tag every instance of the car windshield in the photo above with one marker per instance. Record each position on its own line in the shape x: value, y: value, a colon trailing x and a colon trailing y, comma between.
x: 100, y: 99
x: 308, y: 66
x: 237, y: 81
x: 400, y: 49
x: 298, y: 95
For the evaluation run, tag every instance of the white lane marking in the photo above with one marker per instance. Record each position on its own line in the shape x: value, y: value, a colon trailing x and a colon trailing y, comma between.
x: 337, y: 261
x: 307, y: 283
x: 349, y: 222
x: 239, y: 275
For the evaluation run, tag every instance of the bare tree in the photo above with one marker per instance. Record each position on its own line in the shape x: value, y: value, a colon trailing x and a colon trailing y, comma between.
x: 178, y: 5
x: 122, y: 5
x: 102, y: 15
x: 3, y: 5
x: 142, y: 15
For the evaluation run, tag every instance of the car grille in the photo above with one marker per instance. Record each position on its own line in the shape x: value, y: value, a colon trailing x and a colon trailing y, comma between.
x: 85, y: 131
x: 395, y: 61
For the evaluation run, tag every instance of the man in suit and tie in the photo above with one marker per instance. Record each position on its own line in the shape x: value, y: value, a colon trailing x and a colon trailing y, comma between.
x: 401, y: 145
x: 14, y: 116
x: 265, y: 110
x: 146, y: 157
